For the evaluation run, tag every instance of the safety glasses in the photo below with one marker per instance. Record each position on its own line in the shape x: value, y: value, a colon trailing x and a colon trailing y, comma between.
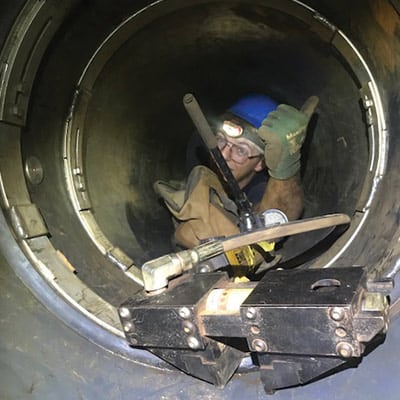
x: 240, y: 153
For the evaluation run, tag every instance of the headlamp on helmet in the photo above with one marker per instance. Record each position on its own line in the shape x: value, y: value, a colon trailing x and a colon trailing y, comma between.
x: 231, y: 129
x: 245, y: 117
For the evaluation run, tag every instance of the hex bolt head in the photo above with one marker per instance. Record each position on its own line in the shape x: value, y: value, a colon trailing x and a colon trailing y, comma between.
x: 344, y: 349
x: 251, y: 313
x: 184, y: 313
x: 193, y: 343
x: 337, y: 313
x: 124, y: 312
x: 259, y: 345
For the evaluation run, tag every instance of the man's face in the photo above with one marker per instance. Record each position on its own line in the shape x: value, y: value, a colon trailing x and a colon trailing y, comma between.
x: 243, y: 159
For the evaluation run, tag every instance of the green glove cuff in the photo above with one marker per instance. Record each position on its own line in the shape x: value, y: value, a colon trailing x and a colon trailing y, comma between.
x: 288, y: 169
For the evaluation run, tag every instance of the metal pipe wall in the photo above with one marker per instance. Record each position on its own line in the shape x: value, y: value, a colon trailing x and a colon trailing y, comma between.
x: 91, y: 115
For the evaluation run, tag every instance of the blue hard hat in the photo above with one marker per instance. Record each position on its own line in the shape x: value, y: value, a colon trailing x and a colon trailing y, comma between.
x: 253, y: 108
x: 245, y: 117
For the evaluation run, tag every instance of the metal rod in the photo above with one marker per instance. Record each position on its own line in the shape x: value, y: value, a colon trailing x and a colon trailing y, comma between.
x: 204, y: 129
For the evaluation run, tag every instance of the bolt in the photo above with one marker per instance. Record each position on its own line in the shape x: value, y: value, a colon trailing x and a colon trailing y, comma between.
x: 204, y: 268
x: 255, y: 330
x: 251, y: 313
x: 344, y: 349
x: 259, y: 345
x: 193, y: 343
x: 133, y: 341
x: 188, y: 327
x: 34, y: 170
x: 337, y: 313
x: 124, y: 312
x: 341, y: 332
x: 184, y: 312
x: 128, y: 326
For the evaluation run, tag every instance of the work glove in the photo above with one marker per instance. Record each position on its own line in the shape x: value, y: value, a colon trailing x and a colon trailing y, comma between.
x: 283, y: 133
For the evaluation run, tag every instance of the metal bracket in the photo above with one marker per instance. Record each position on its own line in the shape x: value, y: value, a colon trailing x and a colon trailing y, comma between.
x: 27, y: 221
x: 298, y: 324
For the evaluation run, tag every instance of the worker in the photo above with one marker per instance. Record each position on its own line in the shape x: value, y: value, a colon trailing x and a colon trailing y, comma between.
x: 261, y: 142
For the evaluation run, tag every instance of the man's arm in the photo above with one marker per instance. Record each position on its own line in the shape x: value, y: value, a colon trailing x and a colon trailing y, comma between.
x: 285, y: 194
x: 284, y: 132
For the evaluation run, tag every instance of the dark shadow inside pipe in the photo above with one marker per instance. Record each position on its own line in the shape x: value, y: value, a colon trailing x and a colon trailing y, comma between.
x: 136, y: 130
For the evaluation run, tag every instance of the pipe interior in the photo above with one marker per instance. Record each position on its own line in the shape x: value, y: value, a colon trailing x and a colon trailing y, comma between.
x: 136, y: 130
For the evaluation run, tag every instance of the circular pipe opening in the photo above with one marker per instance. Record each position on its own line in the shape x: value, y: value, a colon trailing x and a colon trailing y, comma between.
x: 127, y: 126
x: 106, y: 120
